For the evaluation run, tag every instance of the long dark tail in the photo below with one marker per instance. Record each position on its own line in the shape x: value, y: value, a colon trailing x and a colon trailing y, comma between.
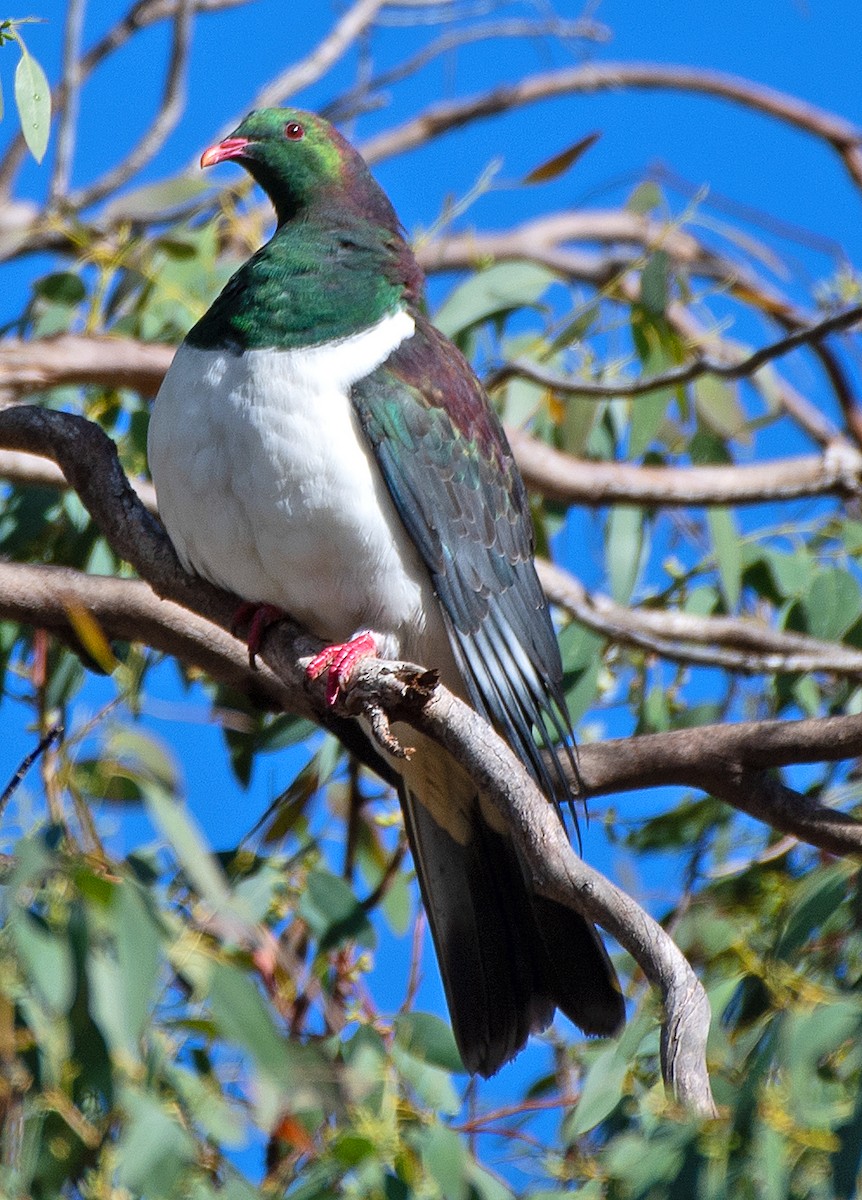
x: 508, y: 957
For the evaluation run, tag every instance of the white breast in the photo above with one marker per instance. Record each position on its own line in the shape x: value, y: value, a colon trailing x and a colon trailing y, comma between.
x: 267, y: 487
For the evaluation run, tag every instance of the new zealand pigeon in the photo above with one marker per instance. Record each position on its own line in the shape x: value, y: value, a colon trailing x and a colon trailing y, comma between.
x: 320, y: 449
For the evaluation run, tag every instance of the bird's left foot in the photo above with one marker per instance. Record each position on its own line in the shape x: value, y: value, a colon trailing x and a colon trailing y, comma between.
x: 340, y: 661
x: 258, y: 617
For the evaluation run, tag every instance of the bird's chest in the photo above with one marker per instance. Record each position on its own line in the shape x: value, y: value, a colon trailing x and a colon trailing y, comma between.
x: 267, y: 487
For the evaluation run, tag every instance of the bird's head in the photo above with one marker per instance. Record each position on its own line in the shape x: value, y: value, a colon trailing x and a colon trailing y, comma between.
x: 299, y: 160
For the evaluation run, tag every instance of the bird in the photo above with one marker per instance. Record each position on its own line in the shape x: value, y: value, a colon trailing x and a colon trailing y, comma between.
x: 321, y: 450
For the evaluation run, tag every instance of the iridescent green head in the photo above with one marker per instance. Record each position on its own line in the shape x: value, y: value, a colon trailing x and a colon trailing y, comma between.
x: 301, y: 161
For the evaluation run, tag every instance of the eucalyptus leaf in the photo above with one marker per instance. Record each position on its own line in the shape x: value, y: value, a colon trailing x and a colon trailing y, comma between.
x: 728, y: 553
x: 33, y: 98
x: 494, y: 292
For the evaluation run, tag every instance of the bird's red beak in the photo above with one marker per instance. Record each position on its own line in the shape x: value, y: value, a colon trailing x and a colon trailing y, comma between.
x: 231, y: 147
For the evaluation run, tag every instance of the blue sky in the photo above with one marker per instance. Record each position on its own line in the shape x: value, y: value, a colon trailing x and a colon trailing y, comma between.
x: 809, y: 49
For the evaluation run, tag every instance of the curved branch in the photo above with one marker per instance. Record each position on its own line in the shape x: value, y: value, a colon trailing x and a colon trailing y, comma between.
x: 27, y: 366
x: 729, y: 762
x: 806, y: 335
x: 543, y: 238
x: 559, y: 476
x: 593, y: 77
x: 733, y: 643
x: 129, y: 610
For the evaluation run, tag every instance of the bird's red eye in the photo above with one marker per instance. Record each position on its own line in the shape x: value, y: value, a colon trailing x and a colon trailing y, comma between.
x: 294, y: 131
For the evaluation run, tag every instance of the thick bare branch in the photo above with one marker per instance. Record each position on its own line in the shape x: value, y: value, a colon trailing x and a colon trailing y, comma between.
x: 129, y: 610
x: 592, y: 77
x: 729, y: 761
x: 556, y: 872
x: 30, y: 366
x: 579, y: 481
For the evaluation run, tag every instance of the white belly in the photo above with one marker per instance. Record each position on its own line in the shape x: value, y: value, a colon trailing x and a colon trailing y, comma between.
x: 267, y: 488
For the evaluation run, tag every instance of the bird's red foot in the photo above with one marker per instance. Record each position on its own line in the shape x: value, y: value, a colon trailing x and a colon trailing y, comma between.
x: 258, y: 618
x: 339, y: 661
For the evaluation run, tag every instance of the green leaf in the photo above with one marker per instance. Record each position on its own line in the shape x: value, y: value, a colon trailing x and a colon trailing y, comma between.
x: 244, y: 1019
x: 624, y: 549
x: 648, y: 413
x: 817, y: 898
x: 47, y: 959
x: 33, y: 98
x: 601, y: 1093
x: 728, y: 553
x: 494, y: 292
x: 425, y: 1036
x: 554, y: 167
x: 139, y: 956
x: 433, y: 1087
x: 333, y: 913
x: 61, y: 287
x: 718, y: 405
x: 833, y: 603
x: 445, y: 1158
x: 154, y: 1150
x: 645, y: 198
x: 655, y: 279
x: 190, y: 847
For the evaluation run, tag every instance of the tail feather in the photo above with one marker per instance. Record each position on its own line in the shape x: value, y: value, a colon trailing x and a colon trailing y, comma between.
x: 508, y: 957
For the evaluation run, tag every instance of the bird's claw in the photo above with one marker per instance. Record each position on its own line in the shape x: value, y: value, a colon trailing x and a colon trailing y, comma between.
x: 258, y: 618
x: 339, y: 661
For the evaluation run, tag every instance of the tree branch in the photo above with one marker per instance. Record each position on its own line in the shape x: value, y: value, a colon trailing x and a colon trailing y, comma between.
x: 27, y: 366
x: 129, y: 610
x: 170, y: 111
x: 325, y: 54
x: 139, y: 16
x: 68, y: 117
x: 807, y: 335
x: 842, y: 135
x: 729, y: 762
x: 559, y: 476
x: 733, y: 643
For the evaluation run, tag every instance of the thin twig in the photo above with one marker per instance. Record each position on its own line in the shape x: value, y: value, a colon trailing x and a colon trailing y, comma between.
x: 53, y: 735
x: 170, y: 111
x: 357, y: 99
x: 140, y: 16
x: 324, y: 55
x: 681, y: 375
x: 71, y: 85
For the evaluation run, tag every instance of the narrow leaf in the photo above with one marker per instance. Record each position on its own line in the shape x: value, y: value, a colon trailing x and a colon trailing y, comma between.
x: 625, y: 528
x: 33, y: 97
x: 601, y: 1093
x: 553, y: 168
x: 728, y: 553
